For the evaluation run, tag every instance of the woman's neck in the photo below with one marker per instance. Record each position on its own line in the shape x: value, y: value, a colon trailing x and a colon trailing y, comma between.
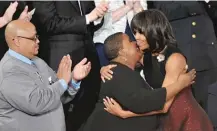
x: 141, y: 60
x: 161, y: 52
x: 125, y: 62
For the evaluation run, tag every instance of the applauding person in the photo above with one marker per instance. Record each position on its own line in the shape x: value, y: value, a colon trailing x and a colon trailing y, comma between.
x: 31, y: 92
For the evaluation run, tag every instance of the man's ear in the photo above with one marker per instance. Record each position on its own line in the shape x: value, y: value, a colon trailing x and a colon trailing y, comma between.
x: 16, y: 41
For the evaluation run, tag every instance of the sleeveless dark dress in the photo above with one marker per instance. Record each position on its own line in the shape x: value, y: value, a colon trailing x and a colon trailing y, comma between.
x: 185, y: 113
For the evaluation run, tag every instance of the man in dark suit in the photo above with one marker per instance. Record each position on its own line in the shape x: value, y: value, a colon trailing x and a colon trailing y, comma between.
x: 69, y: 27
x: 196, y: 38
x: 211, y: 8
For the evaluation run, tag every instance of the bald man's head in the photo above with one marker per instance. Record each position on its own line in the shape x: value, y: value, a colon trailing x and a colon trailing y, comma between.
x: 18, y: 28
x: 21, y: 37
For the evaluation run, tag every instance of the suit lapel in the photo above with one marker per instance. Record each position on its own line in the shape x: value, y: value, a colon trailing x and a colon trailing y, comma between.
x: 75, y: 5
x: 87, y: 6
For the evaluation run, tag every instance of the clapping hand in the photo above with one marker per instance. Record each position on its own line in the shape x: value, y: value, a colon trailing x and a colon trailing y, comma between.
x: 98, y: 12
x: 64, y: 70
x: 81, y: 70
x: 25, y: 15
x: 137, y: 6
x: 130, y: 3
x: 8, y: 15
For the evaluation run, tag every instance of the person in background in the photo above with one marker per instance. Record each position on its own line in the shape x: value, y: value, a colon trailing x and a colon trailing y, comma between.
x: 69, y: 27
x: 8, y: 15
x: 7, y: 11
x: 211, y: 8
x: 31, y: 92
x: 117, y: 19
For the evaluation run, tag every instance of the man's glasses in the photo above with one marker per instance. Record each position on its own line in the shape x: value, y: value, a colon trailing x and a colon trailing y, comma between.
x: 33, y: 39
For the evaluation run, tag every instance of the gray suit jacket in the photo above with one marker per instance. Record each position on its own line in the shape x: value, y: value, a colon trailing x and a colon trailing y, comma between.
x: 28, y: 101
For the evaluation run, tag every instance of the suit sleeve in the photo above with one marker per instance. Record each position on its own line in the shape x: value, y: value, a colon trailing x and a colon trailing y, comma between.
x: 31, y: 96
x: 71, y: 91
x: 56, y: 24
x: 139, y: 99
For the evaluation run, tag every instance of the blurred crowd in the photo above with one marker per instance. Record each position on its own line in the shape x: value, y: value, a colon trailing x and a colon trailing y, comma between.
x: 87, y: 29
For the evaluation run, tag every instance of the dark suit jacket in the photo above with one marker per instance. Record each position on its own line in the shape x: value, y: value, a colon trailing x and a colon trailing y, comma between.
x: 65, y: 28
x: 212, y: 108
x: 211, y: 8
x: 63, y: 21
x: 67, y: 33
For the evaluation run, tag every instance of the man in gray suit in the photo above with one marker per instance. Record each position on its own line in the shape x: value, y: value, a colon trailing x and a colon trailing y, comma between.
x: 30, y: 91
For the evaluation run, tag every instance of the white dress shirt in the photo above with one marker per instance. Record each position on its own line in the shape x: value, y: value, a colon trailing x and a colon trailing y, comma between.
x: 108, y: 28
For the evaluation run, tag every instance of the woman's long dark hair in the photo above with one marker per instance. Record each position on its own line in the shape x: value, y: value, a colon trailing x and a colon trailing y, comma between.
x: 154, y: 25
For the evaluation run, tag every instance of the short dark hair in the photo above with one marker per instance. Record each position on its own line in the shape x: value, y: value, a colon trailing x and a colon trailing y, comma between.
x: 156, y: 28
x: 113, y: 44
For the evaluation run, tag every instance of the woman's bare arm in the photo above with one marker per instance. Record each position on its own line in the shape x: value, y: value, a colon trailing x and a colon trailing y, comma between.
x: 175, y: 67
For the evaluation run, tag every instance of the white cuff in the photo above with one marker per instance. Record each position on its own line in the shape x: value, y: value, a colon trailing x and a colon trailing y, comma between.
x: 98, y: 21
x: 87, y: 20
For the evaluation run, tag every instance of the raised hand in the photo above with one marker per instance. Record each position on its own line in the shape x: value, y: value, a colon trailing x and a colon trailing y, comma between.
x: 130, y: 3
x: 25, y: 15
x: 64, y: 70
x: 137, y: 4
x: 98, y: 12
x: 8, y: 15
x: 81, y: 70
x: 137, y: 7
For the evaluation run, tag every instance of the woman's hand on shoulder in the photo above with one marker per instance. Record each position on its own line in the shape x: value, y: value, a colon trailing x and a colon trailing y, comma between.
x: 187, y: 78
x: 176, y: 68
x: 106, y: 72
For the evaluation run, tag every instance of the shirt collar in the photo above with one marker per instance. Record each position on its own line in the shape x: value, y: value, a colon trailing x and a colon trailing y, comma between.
x: 20, y: 57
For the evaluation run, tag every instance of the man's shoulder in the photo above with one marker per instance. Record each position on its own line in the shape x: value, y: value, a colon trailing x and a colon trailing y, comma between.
x: 7, y: 63
x: 10, y: 65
